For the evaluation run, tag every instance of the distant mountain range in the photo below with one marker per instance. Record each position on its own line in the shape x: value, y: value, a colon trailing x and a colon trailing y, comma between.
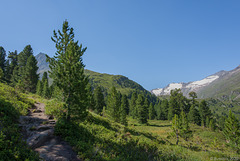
x: 220, y: 84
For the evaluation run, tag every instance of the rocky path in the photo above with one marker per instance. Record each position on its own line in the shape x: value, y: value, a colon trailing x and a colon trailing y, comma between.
x: 38, y: 129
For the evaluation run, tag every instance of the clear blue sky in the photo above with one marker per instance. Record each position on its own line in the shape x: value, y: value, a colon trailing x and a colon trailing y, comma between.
x: 151, y: 42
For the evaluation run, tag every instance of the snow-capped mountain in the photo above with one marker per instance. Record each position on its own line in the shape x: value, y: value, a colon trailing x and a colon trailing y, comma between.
x: 188, y: 87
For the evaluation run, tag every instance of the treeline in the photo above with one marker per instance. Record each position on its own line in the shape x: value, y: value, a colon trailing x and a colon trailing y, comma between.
x: 19, y: 70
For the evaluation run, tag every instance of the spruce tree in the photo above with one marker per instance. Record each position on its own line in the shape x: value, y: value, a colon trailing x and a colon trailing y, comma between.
x: 164, y: 109
x: 158, y: 110
x: 99, y: 99
x: 91, y: 98
x: 1, y: 74
x: 123, y: 111
x: 15, y: 76
x: 185, y: 131
x: 7, y: 71
x: 67, y: 71
x: 177, y: 103
x: 142, y: 117
x: 12, y: 57
x: 152, y: 113
x: 2, y: 58
x: 23, y: 58
x: 45, y: 77
x: 39, y: 88
x: 194, y: 116
x: 204, y: 112
x: 114, y: 104
x: 232, y: 131
x: 146, y: 107
x: 132, y: 109
x: 46, y: 91
x: 30, y: 77
x: 176, y: 127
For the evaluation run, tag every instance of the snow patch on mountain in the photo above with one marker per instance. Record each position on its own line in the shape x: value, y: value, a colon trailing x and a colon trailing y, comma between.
x: 172, y: 86
x: 203, y: 82
x: 157, y: 91
x: 186, y: 87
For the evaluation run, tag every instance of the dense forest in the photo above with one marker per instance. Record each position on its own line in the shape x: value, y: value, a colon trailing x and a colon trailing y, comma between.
x: 101, y: 122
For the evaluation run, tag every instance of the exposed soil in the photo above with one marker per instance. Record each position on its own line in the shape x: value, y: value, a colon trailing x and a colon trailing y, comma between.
x: 38, y: 129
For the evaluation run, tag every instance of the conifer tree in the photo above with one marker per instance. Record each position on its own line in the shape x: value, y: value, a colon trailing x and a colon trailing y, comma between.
x: 177, y: 103
x: 114, y: 104
x: 12, y: 56
x: 23, y: 58
x: 123, y: 111
x: 204, y: 112
x: 39, y: 88
x: 212, y: 124
x: 2, y: 58
x: 158, y: 110
x: 30, y: 77
x: 232, y: 131
x: 176, y: 127
x: 1, y: 74
x: 91, y: 98
x: 194, y: 116
x: 152, y: 113
x: 45, y: 77
x: 193, y: 95
x: 99, y: 99
x: 207, y: 122
x: 142, y: 117
x: 185, y: 131
x: 7, y: 71
x: 132, y: 109
x: 46, y: 91
x: 15, y: 76
x: 146, y: 107
x: 164, y: 110
x: 67, y: 71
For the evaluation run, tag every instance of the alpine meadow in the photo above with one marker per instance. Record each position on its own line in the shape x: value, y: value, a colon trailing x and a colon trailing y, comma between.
x: 54, y: 108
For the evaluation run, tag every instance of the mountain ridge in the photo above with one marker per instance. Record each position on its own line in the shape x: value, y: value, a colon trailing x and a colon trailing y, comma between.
x: 199, y: 86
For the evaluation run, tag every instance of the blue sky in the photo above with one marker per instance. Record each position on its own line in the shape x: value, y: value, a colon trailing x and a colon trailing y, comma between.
x: 154, y: 42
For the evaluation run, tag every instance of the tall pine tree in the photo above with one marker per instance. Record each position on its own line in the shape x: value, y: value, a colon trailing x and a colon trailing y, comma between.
x: 152, y: 112
x: 204, y: 112
x: 2, y: 58
x: 30, y: 77
x: 99, y: 99
x: 123, y: 111
x: 142, y: 115
x: 132, y: 108
x: 232, y: 131
x: 114, y: 103
x: 67, y: 71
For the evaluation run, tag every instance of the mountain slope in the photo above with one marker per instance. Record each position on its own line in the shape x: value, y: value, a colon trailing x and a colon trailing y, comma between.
x: 220, y: 84
x: 227, y: 86
x: 122, y: 83
x: 43, y: 66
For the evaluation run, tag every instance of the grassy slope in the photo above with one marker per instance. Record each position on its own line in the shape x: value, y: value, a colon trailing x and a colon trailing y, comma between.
x: 12, y: 105
x: 99, y: 138
x: 122, y: 83
x: 227, y: 86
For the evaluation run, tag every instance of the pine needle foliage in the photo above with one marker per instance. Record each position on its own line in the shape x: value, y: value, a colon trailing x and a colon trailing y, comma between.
x: 67, y: 71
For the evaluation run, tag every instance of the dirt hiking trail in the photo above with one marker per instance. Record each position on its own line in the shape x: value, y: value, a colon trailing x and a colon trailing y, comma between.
x: 38, y: 129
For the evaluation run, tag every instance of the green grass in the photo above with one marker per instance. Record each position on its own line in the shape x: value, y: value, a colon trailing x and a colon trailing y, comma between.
x: 99, y: 138
x: 12, y: 105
